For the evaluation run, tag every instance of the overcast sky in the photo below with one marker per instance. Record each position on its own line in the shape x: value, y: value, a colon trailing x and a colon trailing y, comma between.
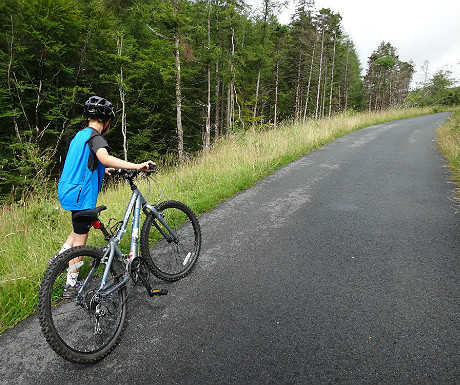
x: 419, y: 29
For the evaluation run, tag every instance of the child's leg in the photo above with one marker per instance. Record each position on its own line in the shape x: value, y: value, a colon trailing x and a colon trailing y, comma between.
x: 73, y: 240
x: 77, y: 237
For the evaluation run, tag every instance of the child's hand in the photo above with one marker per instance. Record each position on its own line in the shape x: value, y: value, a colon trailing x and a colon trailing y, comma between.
x: 108, y: 170
x: 145, y: 166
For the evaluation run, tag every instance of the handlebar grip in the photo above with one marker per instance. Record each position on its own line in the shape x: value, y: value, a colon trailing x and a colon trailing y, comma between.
x: 117, y: 171
x: 121, y: 171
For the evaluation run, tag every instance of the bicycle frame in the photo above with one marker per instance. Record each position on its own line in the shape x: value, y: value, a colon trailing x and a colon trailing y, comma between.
x: 136, y: 203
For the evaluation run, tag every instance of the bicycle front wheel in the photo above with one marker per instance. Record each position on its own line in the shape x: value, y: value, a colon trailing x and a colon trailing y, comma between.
x: 80, y: 324
x: 171, y: 257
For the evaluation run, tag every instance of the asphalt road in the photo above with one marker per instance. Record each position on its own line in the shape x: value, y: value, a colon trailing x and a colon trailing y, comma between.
x: 342, y: 267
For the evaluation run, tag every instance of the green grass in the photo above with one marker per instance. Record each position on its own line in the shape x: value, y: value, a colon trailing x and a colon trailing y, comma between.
x: 448, y: 139
x: 32, y: 233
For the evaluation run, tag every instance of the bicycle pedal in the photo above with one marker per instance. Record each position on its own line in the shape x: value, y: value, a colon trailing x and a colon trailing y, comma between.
x: 159, y: 292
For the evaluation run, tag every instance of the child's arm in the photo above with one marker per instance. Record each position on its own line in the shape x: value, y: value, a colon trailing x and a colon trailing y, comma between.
x: 110, y: 161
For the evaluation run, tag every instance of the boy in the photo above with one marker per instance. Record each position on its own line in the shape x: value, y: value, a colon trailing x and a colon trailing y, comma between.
x: 86, y: 163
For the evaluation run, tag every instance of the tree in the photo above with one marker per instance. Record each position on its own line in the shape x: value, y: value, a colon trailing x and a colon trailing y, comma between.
x: 299, y: 56
x: 387, y: 78
x: 350, y: 83
x: 439, y: 90
x: 173, y: 18
x: 45, y: 51
x: 269, y: 9
x: 328, y: 24
x: 279, y: 36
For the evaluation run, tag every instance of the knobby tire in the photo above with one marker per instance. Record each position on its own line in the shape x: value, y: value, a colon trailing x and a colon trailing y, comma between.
x: 89, y: 331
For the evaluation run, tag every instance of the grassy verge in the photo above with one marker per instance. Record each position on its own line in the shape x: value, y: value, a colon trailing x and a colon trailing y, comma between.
x: 29, y: 235
x: 448, y: 138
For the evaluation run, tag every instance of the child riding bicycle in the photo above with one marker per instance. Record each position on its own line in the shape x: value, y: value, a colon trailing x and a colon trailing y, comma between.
x: 87, y: 161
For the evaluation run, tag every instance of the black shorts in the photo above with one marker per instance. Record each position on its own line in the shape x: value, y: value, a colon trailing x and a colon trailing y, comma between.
x: 80, y: 227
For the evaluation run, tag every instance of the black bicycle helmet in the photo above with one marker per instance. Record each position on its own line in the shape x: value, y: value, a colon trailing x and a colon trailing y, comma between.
x: 98, y: 108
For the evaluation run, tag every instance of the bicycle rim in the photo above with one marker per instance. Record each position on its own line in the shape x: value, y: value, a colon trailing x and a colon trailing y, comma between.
x: 169, y: 259
x: 86, y: 330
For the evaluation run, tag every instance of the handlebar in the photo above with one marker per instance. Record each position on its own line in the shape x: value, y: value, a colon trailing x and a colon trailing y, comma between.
x: 132, y: 173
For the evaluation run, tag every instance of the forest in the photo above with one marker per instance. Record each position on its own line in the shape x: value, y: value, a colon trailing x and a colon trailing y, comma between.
x: 181, y: 74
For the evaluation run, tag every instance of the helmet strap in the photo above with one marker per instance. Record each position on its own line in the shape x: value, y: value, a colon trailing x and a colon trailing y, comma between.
x: 106, y: 127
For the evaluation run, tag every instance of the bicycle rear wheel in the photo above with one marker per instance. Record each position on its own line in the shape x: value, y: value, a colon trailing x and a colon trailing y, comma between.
x: 167, y: 258
x: 85, y: 329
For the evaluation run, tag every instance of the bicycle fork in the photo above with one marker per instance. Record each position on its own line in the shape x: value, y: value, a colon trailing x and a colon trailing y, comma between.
x: 172, y: 235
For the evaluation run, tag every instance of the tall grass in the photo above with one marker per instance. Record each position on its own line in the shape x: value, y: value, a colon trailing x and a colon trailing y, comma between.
x: 448, y: 139
x: 31, y: 233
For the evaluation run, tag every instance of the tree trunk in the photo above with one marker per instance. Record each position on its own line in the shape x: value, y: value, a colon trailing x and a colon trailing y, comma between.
x: 121, y: 89
x: 230, y: 109
x: 218, y: 104
x: 298, y: 93
x: 231, y: 86
x: 305, y: 111
x: 323, y: 105
x: 319, y: 76
x: 254, y: 113
x: 346, y: 77
x: 332, y: 77
x: 207, y: 139
x: 276, y: 92
x: 180, y: 131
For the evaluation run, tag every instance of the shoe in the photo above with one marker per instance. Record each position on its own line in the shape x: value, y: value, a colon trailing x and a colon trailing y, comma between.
x: 71, y: 292
x: 50, y: 261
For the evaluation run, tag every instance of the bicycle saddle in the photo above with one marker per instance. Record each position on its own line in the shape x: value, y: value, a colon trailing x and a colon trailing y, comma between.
x: 88, y: 215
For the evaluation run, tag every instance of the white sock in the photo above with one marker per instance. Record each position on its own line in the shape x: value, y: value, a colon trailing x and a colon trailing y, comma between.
x: 72, y: 278
x: 64, y: 247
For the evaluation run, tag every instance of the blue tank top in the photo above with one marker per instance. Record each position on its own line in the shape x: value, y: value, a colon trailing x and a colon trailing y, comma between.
x: 82, y: 176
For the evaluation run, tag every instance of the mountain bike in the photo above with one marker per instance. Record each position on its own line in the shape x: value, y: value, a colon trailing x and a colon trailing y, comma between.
x: 86, y: 326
